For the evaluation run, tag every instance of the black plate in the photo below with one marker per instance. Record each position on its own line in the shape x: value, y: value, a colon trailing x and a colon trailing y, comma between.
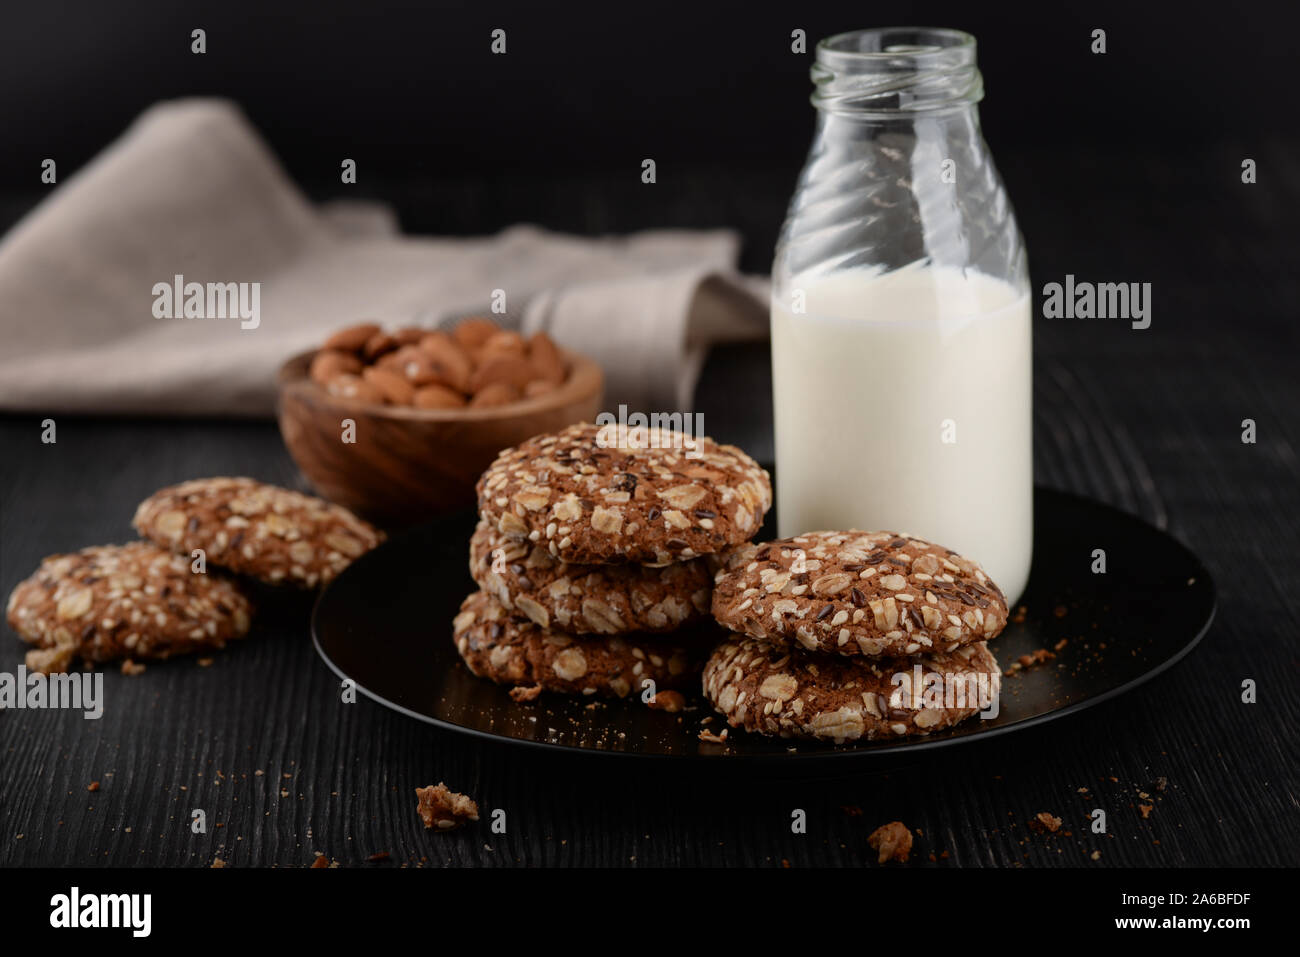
x: 386, y: 623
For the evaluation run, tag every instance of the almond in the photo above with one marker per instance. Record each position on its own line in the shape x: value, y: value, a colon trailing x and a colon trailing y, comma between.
x: 391, y: 385
x: 449, y: 358
x: 348, y: 386
x: 352, y: 338
x: 377, y: 345
x: 538, y: 387
x: 472, y: 333
x: 510, y: 369
x: 546, y: 359
x: 504, y: 342
x: 418, y: 369
x: 437, y: 397
x: 498, y: 393
x: 395, y: 360
x: 410, y: 336
x: 328, y: 363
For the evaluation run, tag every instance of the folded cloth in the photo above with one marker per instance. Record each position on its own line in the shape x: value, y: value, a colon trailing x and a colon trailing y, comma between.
x: 191, y: 191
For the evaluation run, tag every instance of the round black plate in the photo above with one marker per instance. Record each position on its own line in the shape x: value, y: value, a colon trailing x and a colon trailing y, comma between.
x: 385, y: 622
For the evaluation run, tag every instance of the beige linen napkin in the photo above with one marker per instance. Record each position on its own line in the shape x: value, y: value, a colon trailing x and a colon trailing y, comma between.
x: 191, y: 190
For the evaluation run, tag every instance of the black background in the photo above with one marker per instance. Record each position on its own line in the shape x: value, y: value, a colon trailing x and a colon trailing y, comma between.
x: 1122, y: 167
x: 555, y: 130
x: 412, y: 88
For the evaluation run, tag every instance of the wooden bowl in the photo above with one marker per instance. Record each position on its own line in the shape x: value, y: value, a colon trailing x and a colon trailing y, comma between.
x: 409, y: 464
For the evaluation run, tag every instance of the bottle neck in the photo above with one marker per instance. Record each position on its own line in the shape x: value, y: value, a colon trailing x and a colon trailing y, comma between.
x: 896, y: 73
x: 898, y: 172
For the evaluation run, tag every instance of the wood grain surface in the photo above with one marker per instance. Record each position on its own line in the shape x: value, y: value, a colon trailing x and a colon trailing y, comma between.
x: 1149, y: 421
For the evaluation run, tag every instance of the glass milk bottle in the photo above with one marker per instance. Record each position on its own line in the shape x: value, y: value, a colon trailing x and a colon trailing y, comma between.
x: 901, y: 357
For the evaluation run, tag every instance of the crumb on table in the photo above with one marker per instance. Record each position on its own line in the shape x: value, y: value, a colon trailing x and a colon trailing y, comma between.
x: 892, y: 841
x: 1044, y: 822
x: 443, y: 808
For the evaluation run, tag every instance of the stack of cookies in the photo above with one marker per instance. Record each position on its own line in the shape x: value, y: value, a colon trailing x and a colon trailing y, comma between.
x: 159, y: 597
x: 853, y: 635
x: 593, y: 554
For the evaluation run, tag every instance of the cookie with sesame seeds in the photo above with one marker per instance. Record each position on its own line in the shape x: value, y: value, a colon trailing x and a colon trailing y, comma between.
x: 511, y: 650
x: 594, y: 494
x: 273, y: 534
x: 123, y: 601
x: 857, y: 593
x: 588, y: 599
x: 775, y: 691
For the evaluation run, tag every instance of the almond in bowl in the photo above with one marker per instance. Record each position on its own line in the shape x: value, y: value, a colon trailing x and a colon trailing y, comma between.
x: 398, y: 425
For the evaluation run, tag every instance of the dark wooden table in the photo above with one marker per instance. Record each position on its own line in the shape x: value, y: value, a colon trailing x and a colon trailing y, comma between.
x: 1149, y: 421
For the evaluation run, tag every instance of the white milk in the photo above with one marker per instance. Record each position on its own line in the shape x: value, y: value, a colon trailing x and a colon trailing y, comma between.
x: 903, y: 402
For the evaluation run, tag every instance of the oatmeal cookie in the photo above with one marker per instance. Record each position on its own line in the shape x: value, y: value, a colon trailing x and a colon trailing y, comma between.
x: 588, y: 599
x: 511, y: 650
x: 857, y: 593
x: 123, y: 601
x: 595, y: 494
x: 273, y: 534
x: 776, y: 691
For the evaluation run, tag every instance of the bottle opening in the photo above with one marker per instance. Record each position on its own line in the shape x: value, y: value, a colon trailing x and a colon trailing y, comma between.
x: 894, y: 70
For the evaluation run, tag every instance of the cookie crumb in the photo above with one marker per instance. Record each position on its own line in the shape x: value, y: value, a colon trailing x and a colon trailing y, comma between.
x: 670, y: 701
x: 50, y: 661
x: 522, y: 694
x: 1044, y: 822
x: 712, y: 738
x: 443, y: 808
x: 1146, y: 809
x: 893, y: 842
x: 320, y: 861
x: 92, y: 786
x: 1036, y: 657
x: 378, y: 856
x: 1095, y: 855
x: 205, y: 662
x: 132, y: 668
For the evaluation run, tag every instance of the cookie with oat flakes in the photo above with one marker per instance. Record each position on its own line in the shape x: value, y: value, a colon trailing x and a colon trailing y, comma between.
x: 601, y: 494
x: 511, y: 650
x: 119, y: 601
x: 588, y: 599
x: 776, y: 691
x: 273, y: 534
x: 857, y: 593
